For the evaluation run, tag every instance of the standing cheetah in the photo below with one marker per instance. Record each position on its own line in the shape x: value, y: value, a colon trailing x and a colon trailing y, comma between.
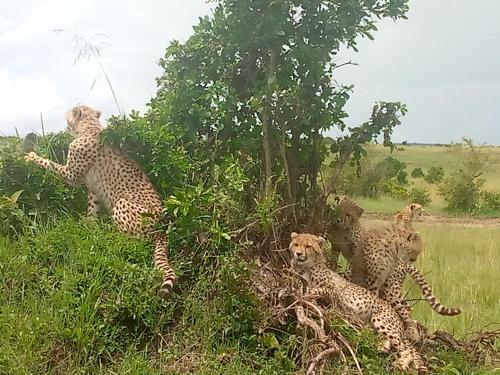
x: 381, y: 259
x: 309, y: 262
x: 114, y: 182
x: 407, y: 215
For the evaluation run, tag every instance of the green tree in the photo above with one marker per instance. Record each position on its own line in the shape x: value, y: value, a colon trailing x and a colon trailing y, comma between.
x: 257, y: 81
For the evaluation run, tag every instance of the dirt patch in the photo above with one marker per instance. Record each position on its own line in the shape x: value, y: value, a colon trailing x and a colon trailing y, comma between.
x: 436, y: 219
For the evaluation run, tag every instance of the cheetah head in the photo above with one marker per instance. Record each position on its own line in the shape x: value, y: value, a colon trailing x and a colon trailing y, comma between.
x: 82, y: 118
x: 349, y: 213
x: 412, y: 248
x: 413, y: 211
x: 306, y: 250
x: 416, y: 211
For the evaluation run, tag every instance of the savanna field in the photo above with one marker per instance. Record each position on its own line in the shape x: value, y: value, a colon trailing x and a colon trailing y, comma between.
x: 78, y: 297
x: 235, y: 143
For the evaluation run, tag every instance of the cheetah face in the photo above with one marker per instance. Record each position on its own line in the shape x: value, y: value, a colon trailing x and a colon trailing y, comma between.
x: 412, y: 248
x: 349, y: 213
x: 306, y: 250
x: 80, y: 117
x: 416, y: 211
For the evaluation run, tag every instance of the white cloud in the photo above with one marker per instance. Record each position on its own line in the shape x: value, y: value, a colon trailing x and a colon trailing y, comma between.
x: 443, y: 62
x: 35, y: 58
x: 24, y: 98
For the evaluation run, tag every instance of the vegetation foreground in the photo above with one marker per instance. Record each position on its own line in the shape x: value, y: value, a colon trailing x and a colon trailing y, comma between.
x: 81, y: 298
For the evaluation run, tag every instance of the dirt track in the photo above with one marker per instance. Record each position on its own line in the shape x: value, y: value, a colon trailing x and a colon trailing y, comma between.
x: 431, y: 219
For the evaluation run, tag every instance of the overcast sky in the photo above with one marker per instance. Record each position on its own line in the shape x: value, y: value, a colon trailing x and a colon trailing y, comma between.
x: 443, y: 62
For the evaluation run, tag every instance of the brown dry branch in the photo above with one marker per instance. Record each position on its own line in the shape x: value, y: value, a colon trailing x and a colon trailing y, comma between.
x: 479, y: 348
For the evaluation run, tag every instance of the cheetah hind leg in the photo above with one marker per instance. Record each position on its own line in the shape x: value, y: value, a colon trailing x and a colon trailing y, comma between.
x: 161, y: 262
x: 94, y: 205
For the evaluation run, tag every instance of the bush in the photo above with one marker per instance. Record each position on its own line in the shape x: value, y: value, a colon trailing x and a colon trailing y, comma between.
x: 434, y: 175
x: 369, y: 180
x: 489, y: 202
x: 44, y: 194
x: 460, y: 192
x: 462, y: 189
x: 395, y: 190
x: 420, y: 195
x: 392, y: 168
x: 417, y: 172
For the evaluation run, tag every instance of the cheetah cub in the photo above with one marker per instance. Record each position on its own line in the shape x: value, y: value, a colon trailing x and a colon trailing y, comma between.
x: 114, y: 182
x: 381, y: 259
x: 309, y: 262
x: 405, y: 217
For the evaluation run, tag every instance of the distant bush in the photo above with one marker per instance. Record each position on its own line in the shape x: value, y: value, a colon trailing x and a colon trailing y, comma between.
x: 489, y: 202
x: 420, y: 195
x: 462, y: 189
x: 369, y: 180
x: 393, y: 168
x: 434, y: 175
x: 395, y: 190
x: 417, y: 172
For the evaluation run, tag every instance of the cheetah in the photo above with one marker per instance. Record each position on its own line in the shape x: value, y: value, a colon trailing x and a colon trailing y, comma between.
x: 341, y: 240
x: 309, y: 263
x: 381, y: 261
x: 405, y: 217
x: 114, y: 182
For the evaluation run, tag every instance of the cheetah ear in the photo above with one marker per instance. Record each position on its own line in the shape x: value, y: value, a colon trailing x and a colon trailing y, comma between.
x: 98, y: 114
x: 77, y: 113
x: 321, y: 241
x: 359, y: 211
x: 293, y: 235
x: 413, y: 236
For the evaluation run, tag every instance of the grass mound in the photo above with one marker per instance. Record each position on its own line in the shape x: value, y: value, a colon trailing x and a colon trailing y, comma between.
x: 80, y: 298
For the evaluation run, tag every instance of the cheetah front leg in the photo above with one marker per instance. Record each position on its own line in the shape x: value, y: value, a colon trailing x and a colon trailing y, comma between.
x: 81, y: 155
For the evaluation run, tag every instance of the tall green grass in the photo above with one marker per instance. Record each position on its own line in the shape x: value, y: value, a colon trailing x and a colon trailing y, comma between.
x: 80, y: 298
x: 462, y: 264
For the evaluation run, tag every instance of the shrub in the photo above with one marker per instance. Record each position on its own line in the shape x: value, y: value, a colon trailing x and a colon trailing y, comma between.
x: 420, y: 195
x: 489, y: 202
x: 461, y: 190
x: 369, y: 180
x: 43, y: 192
x: 434, y: 175
x: 395, y: 190
x: 417, y: 172
x: 392, y: 168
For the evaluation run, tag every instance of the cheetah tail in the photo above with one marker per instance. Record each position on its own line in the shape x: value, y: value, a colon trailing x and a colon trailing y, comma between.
x: 428, y: 295
x: 161, y: 262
